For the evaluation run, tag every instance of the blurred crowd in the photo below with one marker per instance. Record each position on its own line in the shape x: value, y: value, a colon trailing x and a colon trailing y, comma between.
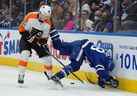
x: 76, y: 15
x: 13, y: 11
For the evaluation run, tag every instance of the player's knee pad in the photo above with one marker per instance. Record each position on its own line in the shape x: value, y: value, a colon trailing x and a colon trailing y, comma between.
x: 25, y: 55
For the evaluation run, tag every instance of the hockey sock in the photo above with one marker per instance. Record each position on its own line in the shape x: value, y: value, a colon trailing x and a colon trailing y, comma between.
x: 64, y: 72
x: 22, y: 66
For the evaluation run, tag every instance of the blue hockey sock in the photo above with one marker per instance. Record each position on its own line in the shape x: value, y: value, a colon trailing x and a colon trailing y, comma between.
x: 60, y: 75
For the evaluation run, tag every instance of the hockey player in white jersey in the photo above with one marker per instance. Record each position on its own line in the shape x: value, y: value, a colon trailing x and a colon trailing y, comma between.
x: 34, y: 30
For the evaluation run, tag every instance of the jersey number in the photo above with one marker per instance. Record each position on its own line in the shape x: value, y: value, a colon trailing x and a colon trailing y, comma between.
x: 98, y: 49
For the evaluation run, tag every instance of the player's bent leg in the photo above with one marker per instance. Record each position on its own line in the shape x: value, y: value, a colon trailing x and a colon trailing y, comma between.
x: 103, y: 75
x: 64, y: 72
x: 47, y: 65
x: 22, y: 65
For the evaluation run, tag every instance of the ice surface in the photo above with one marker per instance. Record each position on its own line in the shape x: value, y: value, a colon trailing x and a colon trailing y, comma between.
x: 36, y: 84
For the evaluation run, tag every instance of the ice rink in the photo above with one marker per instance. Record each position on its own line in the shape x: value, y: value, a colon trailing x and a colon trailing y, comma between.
x: 37, y: 85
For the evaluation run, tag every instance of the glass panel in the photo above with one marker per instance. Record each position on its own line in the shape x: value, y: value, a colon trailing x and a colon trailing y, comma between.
x: 5, y: 17
x: 76, y: 15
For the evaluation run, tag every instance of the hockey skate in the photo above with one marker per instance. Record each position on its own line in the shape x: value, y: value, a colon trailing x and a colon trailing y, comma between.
x: 112, y: 82
x: 48, y: 75
x: 56, y: 80
x: 21, y: 78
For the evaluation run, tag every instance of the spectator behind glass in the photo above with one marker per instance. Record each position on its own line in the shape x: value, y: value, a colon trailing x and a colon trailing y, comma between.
x: 70, y: 24
x: 107, y: 22
x: 98, y: 21
x: 86, y: 23
x: 129, y: 24
x: 72, y: 7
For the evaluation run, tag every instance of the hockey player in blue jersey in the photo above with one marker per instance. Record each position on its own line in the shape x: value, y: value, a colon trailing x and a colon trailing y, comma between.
x: 80, y: 50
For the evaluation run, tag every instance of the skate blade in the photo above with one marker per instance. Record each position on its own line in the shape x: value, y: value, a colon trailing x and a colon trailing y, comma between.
x: 21, y: 85
x: 57, y: 85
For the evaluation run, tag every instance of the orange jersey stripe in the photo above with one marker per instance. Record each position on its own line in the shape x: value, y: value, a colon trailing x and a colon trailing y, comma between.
x: 26, y: 18
x: 31, y: 15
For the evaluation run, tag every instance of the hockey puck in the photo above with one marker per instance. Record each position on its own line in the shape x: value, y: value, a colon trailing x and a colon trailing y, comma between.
x: 72, y: 83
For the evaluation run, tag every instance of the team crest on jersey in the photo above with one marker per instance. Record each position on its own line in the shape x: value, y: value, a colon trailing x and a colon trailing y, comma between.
x: 108, y: 48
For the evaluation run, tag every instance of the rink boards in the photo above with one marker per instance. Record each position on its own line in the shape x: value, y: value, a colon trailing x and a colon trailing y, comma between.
x: 121, y: 47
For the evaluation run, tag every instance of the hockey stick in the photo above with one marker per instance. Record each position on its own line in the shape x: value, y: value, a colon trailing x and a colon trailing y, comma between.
x: 64, y: 66
x: 61, y: 62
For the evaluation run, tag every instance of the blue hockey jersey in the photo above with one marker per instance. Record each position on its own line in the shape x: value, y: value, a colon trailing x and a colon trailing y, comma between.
x: 83, y: 49
x: 78, y: 51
